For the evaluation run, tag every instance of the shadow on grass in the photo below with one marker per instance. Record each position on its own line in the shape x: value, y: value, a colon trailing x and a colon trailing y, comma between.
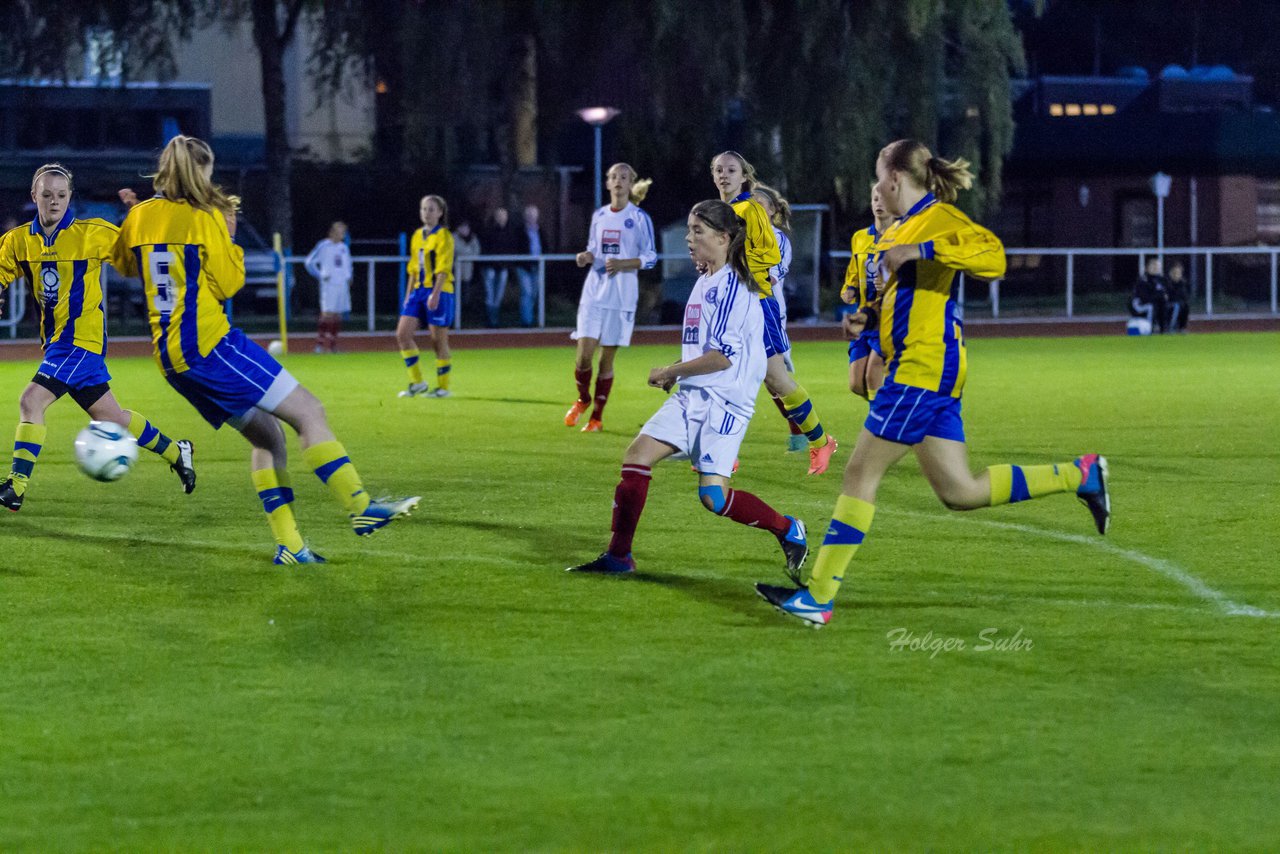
x: 521, y: 400
x: 541, y: 544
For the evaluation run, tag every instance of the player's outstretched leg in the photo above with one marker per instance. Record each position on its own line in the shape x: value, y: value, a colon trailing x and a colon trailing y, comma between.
x: 28, y: 440
x: 628, y: 503
x: 747, y: 509
x: 796, y: 441
x: 180, y: 454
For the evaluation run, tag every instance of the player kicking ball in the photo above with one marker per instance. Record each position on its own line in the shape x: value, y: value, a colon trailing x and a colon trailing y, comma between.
x: 720, y: 374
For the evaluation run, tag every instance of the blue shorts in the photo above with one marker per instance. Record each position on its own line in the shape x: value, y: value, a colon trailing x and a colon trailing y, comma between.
x: 71, y: 366
x: 906, y: 414
x: 864, y: 345
x: 775, y: 336
x: 415, y: 305
x: 236, y: 376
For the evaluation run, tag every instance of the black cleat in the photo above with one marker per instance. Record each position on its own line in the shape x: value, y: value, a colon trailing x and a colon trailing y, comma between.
x: 1093, y: 492
x: 9, y: 499
x: 607, y: 564
x: 185, y: 467
x: 795, y: 547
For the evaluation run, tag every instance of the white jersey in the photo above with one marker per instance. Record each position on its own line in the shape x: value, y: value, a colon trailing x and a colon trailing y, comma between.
x: 330, y: 262
x: 723, y: 315
x: 627, y: 233
x: 779, y: 272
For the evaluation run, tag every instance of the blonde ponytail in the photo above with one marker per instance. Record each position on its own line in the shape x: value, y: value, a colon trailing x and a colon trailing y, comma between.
x: 781, y: 216
x: 944, y: 178
x: 180, y: 176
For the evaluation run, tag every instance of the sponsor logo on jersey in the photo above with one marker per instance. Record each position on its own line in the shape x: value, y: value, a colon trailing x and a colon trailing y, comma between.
x: 710, y: 295
x: 49, y: 282
x: 692, y: 316
x: 611, y: 241
x: 629, y: 222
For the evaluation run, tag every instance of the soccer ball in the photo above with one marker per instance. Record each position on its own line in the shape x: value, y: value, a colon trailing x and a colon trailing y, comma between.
x: 106, y: 451
x: 275, y: 348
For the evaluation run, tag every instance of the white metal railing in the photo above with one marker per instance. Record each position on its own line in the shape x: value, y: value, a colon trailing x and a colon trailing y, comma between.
x: 16, y: 301
x: 1205, y: 254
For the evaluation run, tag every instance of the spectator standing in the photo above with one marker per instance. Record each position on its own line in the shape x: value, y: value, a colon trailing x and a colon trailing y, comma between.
x: 530, y: 243
x: 497, y: 238
x: 466, y: 245
x: 330, y: 264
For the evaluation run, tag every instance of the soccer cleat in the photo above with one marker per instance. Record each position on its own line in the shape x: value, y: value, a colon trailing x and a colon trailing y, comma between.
x: 575, y: 412
x: 379, y: 514
x: 1093, y: 489
x: 185, y: 467
x: 414, y: 390
x: 9, y: 499
x: 439, y: 392
x: 795, y: 547
x: 797, y: 603
x: 797, y: 442
x: 303, y: 555
x: 820, y: 458
x: 607, y: 564
x: 594, y: 425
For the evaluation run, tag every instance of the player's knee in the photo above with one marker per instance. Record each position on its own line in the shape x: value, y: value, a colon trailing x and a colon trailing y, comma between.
x: 712, y: 497
x: 956, y: 498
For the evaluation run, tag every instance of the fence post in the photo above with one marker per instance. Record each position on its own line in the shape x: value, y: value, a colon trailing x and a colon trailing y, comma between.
x: 1208, y: 284
x: 457, y: 293
x: 994, y: 290
x: 1274, y: 308
x: 542, y: 291
x: 370, y: 286
x: 1071, y: 285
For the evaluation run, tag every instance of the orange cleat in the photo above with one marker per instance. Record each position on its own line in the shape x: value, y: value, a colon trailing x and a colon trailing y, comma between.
x: 575, y: 412
x: 593, y: 426
x: 820, y: 458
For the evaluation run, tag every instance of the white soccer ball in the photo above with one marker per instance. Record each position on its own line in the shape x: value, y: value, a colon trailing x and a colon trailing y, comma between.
x: 275, y: 348
x: 106, y: 451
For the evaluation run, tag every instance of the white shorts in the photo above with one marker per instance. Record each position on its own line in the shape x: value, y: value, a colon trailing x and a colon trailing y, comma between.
x: 700, y: 428
x: 612, y: 327
x: 335, y: 297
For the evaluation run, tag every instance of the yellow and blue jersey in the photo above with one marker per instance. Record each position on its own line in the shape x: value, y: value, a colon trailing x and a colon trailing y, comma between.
x: 64, y: 270
x: 430, y: 253
x: 859, y: 287
x: 762, y: 246
x: 189, y: 267
x: 920, y: 331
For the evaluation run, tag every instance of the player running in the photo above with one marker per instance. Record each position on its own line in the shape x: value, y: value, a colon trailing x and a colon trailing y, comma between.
x: 779, y: 211
x: 62, y: 257
x: 429, y: 298
x: 735, y: 178
x: 722, y: 366
x: 620, y: 243
x: 918, y: 407
x: 179, y: 242
x: 866, y: 361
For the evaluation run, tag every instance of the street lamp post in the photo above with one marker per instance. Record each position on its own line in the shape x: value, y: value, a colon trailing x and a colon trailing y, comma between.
x: 598, y: 117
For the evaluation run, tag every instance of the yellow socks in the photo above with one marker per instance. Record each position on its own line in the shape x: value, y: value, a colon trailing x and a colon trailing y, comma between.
x: 1010, y: 484
x: 411, y: 363
x: 443, y: 366
x: 272, y: 486
x: 331, y: 464
x: 800, y: 411
x: 152, y: 439
x: 849, y: 525
x: 28, y: 439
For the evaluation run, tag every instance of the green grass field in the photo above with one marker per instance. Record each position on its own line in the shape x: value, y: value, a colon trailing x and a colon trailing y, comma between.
x: 445, y: 685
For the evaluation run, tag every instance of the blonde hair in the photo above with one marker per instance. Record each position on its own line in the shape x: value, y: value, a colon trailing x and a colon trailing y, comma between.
x: 944, y: 178
x: 639, y: 186
x: 749, y: 179
x: 444, y: 208
x: 180, y: 176
x: 52, y: 169
x: 781, y: 207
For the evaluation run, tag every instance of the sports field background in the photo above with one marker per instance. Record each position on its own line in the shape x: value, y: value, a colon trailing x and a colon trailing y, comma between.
x: 445, y: 685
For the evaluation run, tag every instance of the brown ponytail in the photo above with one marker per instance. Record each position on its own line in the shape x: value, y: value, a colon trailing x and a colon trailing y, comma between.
x: 944, y: 178
x: 720, y: 216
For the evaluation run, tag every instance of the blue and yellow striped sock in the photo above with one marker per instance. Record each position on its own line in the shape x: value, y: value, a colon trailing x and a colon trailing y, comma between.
x: 272, y: 486
x: 331, y: 464
x: 1011, y: 484
x: 28, y: 439
x: 800, y: 411
x: 411, y: 363
x: 849, y: 525
x: 443, y: 367
x: 152, y: 439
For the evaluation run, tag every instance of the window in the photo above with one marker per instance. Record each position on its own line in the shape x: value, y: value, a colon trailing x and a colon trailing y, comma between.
x: 1269, y: 211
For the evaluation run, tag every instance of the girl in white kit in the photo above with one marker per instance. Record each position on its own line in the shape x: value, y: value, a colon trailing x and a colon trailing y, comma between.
x: 620, y: 244
x: 722, y: 366
x: 330, y: 263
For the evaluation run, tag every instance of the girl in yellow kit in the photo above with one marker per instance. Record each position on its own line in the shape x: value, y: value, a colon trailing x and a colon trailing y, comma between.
x: 429, y: 298
x: 179, y: 243
x: 735, y: 178
x: 866, y: 362
x: 918, y: 407
x: 62, y: 257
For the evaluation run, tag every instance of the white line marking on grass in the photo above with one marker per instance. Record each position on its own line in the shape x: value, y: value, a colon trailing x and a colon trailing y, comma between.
x: 1168, y: 569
